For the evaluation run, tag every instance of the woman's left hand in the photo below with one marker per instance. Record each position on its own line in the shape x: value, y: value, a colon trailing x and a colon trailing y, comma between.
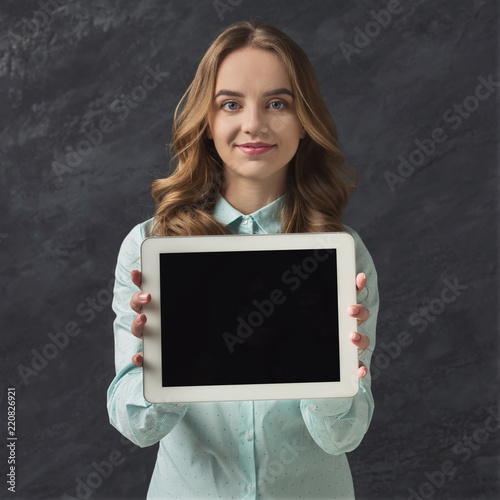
x: 361, y: 313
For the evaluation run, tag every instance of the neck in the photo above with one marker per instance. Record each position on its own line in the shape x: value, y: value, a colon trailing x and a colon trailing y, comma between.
x: 248, y: 199
x: 249, y: 195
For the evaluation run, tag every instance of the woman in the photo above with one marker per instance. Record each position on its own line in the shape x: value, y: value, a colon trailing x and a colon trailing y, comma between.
x: 256, y: 152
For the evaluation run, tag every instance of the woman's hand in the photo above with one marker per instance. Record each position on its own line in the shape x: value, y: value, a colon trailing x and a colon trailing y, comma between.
x: 139, y: 299
x: 361, y: 313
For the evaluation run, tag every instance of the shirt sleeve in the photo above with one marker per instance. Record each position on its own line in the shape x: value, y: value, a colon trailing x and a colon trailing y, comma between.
x: 141, y: 422
x: 338, y: 425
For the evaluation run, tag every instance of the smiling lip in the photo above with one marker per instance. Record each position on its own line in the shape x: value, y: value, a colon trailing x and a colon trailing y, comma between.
x: 255, y: 148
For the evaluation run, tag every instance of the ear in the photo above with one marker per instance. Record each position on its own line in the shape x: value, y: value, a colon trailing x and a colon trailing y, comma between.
x: 209, y: 132
x: 302, y: 133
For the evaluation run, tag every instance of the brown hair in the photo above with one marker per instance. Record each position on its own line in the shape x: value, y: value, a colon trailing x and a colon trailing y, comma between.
x: 319, y: 182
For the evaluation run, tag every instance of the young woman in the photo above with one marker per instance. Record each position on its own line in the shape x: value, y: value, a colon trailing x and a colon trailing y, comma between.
x: 256, y: 152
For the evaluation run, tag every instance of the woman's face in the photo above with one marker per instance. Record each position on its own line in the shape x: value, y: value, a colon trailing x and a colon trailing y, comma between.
x: 253, y: 122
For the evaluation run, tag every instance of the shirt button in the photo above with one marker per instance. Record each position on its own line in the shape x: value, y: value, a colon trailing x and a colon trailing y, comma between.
x: 249, y: 488
x: 248, y: 436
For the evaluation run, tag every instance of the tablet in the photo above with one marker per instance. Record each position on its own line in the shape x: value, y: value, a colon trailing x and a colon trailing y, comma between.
x: 249, y: 317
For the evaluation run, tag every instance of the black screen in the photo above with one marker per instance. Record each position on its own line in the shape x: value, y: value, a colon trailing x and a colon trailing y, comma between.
x: 249, y: 317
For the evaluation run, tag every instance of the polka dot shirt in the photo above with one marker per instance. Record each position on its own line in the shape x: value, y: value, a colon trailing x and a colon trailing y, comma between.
x: 290, y: 449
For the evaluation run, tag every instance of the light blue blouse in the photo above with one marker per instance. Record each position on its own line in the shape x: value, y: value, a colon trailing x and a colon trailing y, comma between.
x: 239, y: 450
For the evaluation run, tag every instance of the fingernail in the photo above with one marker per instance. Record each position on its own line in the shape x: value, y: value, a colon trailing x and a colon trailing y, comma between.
x: 353, y: 310
x: 143, y: 297
x: 355, y: 336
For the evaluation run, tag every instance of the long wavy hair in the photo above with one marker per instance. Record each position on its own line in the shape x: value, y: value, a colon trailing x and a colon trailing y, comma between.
x: 319, y: 181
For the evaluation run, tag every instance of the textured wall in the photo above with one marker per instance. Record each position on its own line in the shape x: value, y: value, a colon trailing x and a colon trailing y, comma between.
x: 69, y: 69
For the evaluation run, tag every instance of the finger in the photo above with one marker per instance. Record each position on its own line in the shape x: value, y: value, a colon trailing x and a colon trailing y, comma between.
x: 137, y: 359
x: 362, y: 370
x: 136, y: 278
x: 138, y: 323
x: 360, y: 282
x: 359, y: 340
x: 361, y: 313
x: 138, y: 300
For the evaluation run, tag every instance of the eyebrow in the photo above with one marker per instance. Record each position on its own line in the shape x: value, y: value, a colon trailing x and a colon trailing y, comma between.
x: 232, y: 93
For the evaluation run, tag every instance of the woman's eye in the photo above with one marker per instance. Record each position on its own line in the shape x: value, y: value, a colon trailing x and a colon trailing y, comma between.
x: 231, y: 105
x: 279, y: 105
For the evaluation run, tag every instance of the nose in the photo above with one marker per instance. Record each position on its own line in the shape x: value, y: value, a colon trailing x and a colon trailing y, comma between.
x: 254, y: 121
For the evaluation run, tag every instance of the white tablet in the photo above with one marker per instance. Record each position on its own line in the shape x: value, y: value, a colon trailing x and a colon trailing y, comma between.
x: 249, y: 317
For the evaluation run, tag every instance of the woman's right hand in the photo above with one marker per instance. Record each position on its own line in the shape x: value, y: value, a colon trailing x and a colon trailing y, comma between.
x: 139, y: 299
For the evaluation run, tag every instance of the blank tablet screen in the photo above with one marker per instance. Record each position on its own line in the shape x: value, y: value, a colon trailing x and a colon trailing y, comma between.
x: 249, y: 317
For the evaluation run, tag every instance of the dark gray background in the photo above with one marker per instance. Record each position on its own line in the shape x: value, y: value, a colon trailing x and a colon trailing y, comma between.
x: 60, y: 235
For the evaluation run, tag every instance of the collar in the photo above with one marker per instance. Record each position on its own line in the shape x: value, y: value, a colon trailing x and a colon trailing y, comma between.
x: 268, y: 218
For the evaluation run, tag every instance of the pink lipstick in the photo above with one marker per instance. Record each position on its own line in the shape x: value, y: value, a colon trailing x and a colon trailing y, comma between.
x: 255, y: 148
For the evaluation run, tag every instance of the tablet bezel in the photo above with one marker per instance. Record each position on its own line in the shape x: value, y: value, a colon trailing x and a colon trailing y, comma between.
x: 152, y: 247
